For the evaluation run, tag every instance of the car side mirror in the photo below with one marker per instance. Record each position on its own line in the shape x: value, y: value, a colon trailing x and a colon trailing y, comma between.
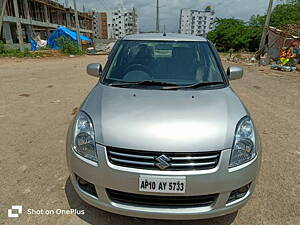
x: 94, y: 69
x: 235, y: 72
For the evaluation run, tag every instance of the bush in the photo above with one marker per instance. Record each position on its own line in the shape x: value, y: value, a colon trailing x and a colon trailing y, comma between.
x: 67, y: 46
x: 2, y: 48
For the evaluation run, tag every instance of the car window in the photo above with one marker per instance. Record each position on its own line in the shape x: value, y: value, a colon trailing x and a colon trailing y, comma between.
x: 178, y: 62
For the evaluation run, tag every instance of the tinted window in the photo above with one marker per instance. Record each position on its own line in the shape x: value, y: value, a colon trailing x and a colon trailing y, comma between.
x: 177, y: 62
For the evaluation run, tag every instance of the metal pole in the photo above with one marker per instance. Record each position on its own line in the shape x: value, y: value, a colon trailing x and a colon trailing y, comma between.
x: 77, y: 25
x: 19, y: 28
x: 2, y: 14
x: 267, y: 23
x: 157, y: 16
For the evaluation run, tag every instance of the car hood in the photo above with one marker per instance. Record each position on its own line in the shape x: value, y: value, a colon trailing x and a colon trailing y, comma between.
x: 160, y: 120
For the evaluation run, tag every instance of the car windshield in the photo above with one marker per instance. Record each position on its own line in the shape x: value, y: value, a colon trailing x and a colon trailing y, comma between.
x: 171, y: 62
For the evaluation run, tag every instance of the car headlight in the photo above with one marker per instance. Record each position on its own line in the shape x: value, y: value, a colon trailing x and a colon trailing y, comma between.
x: 84, y: 137
x: 244, y: 149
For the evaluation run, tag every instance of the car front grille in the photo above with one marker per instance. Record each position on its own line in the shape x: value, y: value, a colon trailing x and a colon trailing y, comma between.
x: 163, y: 161
x: 161, y: 201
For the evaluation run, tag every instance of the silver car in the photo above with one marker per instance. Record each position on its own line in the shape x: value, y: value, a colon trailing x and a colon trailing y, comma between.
x: 162, y: 135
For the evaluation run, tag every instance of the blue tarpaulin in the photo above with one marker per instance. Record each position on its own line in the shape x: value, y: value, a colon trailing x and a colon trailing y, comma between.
x: 33, y: 45
x: 63, y: 31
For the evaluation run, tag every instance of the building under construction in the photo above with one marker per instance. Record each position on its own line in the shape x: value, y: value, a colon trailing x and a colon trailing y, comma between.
x: 38, y: 17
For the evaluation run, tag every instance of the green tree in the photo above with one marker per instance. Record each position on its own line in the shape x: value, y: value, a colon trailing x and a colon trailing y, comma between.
x: 292, y: 1
x: 226, y: 35
x: 286, y: 14
x: 236, y: 34
x: 254, y: 32
x: 283, y: 14
x: 257, y: 20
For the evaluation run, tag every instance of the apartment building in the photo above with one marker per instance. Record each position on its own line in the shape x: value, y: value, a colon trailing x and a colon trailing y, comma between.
x: 100, y: 26
x: 122, y: 22
x: 197, y: 22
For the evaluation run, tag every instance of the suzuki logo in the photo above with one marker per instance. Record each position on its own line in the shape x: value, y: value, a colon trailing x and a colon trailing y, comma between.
x: 163, y: 162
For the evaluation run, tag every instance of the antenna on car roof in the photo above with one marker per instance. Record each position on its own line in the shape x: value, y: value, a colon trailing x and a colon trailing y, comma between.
x: 165, y: 34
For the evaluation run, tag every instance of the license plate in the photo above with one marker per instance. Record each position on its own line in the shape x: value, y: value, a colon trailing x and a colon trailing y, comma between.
x: 162, y: 184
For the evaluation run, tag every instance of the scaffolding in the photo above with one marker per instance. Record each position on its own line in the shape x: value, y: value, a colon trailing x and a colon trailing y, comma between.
x: 22, y: 19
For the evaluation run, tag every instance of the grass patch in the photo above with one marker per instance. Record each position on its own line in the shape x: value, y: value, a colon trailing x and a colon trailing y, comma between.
x: 5, y: 52
x: 67, y: 47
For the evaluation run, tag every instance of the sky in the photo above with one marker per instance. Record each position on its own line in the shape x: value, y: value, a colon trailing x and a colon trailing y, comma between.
x: 170, y: 9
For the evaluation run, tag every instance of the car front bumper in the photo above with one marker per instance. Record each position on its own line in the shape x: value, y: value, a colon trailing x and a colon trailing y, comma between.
x: 220, y: 180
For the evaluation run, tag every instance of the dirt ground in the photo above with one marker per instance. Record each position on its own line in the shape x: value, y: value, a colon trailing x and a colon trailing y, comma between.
x: 38, y: 98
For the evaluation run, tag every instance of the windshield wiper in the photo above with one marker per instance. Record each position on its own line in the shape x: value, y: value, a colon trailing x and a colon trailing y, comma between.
x: 145, y: 82
x: 197, y: 85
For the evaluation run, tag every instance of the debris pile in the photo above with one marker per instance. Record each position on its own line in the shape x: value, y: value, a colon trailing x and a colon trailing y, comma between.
x: 101, y: 49
x: 37, y: 43
x: 241, y: 57
x: 289, y: 58
x: 282, y: 48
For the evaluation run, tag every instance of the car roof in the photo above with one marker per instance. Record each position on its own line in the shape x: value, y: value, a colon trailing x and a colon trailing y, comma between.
x: 162, y: 37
